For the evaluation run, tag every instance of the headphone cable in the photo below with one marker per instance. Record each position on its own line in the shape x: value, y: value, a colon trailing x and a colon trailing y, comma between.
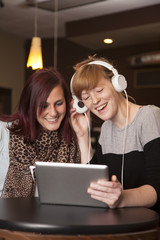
x: 89, y: 133
x: 124, y: 141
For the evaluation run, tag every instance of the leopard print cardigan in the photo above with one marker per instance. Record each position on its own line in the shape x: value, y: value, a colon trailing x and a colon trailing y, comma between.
x: 19, y: 181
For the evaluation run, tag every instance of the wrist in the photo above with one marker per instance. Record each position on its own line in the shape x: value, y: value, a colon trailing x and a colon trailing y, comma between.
x: 120, y: 202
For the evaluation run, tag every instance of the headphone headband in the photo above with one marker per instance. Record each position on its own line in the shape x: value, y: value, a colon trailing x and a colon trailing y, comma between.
x: 106, y: 65
x: 102, y: 63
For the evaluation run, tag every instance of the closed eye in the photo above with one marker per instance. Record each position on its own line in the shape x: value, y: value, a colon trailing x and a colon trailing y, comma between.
x: 45, y: 106
x: 84, y: 98
x: 99, y: 90
x: 59, y: 103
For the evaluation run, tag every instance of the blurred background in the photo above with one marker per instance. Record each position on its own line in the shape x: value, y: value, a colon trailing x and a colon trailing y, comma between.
x: 70, y: 30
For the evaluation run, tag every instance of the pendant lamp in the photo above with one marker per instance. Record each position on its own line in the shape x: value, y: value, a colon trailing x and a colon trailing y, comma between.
x: 35, y: 55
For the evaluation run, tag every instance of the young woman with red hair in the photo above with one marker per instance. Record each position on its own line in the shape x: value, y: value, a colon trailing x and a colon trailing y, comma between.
x: 38, y: 131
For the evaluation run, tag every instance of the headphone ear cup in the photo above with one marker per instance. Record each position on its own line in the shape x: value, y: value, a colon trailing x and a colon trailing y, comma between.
x: 79, y: 105
x: 119, y: 83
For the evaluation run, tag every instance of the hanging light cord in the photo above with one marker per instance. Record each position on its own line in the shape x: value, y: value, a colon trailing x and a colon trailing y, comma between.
x: 35, y: 20
x: 55, y: 32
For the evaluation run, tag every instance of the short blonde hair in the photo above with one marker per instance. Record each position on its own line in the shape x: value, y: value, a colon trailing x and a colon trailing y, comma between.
x: 88, y: 75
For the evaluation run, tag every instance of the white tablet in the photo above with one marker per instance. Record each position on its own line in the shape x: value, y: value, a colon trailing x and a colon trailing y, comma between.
x: 67, y: 183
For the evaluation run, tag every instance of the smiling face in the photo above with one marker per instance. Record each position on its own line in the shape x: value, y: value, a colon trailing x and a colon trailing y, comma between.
x: 54, y: 110
x: 102, y: 100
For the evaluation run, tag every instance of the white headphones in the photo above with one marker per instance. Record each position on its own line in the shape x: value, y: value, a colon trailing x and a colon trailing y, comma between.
x: 119, y: 83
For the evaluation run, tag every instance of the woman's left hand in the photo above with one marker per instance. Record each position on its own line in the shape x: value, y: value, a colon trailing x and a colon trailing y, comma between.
x: 106, y: 191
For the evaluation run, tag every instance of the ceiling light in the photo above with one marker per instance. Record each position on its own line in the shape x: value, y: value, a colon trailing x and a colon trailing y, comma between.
x: 108, y: 41
x: 35, y: 55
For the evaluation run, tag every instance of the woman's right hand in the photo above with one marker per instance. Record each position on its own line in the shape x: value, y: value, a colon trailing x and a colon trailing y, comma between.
x: 80, y: 123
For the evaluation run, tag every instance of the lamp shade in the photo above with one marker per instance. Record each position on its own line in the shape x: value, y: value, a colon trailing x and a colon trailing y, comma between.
x: 35, y: 55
